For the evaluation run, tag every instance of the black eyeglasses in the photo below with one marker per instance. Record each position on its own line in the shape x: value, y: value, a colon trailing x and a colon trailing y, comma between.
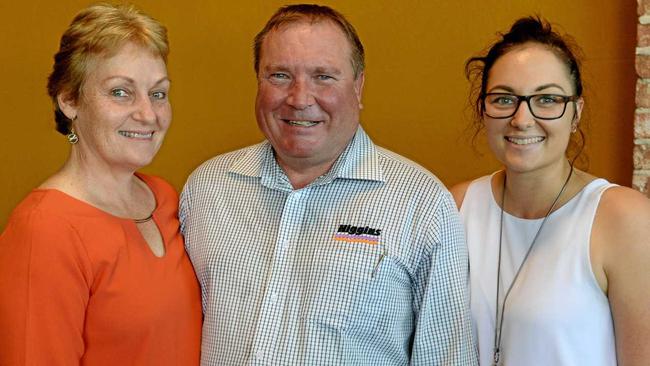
x: 542, y: 106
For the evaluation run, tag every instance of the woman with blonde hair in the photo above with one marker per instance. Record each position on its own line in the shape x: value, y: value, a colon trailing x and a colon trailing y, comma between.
x: 92, y: 266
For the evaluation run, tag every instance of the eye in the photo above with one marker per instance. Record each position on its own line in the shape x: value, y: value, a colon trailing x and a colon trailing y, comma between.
x: 118, y: 92
x: 159, y: 95
x: 502, y: 100
x: 548, y: 99
x: 279, y: 76
x: 323, y: 77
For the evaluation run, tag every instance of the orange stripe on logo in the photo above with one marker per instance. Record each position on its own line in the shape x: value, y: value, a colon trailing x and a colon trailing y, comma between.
x: 359, y: 240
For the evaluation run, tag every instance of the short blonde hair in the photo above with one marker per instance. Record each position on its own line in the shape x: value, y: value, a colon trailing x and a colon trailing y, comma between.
x: 99, y: 31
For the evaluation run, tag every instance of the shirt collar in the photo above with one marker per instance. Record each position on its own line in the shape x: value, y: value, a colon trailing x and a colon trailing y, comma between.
x: 358, y: 161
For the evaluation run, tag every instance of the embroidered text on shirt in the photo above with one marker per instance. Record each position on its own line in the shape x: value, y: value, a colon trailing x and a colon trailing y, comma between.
x: 359, y: 234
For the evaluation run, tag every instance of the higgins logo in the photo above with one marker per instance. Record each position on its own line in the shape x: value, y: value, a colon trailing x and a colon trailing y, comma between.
x: 358, y: 234
x: 358, y: 230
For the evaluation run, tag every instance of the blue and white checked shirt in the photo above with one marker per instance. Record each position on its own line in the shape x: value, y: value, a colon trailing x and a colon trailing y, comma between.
x: 367, y: 265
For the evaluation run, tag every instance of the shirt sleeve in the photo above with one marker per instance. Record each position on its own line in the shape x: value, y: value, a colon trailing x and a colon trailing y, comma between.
x: 443, y: 333
x: 45, y: 277
x: 184, y: 206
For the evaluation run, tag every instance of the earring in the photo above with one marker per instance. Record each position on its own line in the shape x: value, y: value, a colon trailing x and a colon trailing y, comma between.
x: 574, y: 127
x: 72, y: 136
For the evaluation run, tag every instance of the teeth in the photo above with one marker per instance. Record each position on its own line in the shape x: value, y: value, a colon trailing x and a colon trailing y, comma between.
x: 524, y: 141
x: 136, y: 135
x: 302, y: 123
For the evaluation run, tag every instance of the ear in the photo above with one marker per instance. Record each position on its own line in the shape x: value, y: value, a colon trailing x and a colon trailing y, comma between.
x: 67, y: 105
x: 358, y: 87
x: 579, y: 104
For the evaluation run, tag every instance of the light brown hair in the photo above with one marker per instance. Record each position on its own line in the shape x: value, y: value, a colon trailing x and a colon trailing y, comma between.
x: 312, y: 13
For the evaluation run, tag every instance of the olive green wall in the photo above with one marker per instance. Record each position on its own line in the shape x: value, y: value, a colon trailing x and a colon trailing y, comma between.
x: 415, y: 96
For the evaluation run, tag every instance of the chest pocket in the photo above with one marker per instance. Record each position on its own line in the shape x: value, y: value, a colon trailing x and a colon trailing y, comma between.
x: 353, y: 285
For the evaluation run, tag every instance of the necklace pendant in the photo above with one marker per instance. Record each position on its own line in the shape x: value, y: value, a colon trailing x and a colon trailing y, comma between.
x: 497, y: 355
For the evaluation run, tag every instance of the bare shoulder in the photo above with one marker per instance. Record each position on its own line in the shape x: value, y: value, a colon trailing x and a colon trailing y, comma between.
x: 622, y: 227
x: 56, y: 181
x: 458, y: 192
x: 624, y: 209
x: 621, y: 245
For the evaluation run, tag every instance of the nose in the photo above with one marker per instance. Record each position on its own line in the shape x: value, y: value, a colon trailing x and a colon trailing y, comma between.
x: 300, y: 94
x: 144, y: 110
x: 523, y: 117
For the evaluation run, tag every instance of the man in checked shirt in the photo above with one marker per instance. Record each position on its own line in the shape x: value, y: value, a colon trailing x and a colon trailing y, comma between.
x: 317, y: 247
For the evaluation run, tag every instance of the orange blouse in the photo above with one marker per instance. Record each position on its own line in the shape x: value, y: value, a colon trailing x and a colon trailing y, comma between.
x: 79, y: 286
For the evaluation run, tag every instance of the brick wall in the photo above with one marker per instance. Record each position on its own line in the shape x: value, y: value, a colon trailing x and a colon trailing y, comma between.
x: 641, y: 178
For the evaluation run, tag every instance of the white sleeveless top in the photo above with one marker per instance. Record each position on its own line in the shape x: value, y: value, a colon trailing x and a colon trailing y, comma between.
x: 556, y: 313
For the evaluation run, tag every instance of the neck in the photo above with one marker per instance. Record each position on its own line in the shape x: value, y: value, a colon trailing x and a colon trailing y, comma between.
x: 116, y: 191
x: 303, y: 171
x: 530, y: 195
x: 301, y: 175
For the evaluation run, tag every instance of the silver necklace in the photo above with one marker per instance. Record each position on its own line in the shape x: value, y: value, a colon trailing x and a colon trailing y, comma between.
x: 497, y: 329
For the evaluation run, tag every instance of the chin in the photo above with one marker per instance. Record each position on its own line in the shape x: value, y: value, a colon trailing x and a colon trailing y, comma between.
x: 136, y: 164
x: 308, y: 152
x: 525, y: 167
x: 300, y: 150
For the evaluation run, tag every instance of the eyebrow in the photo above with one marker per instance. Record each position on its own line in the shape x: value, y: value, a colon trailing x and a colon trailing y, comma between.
x: 326, y: 70
x: 551, y: 85
x: 316, y: 69
x: 275, y: 67
x: 539, y: 88
x: 129, y: 80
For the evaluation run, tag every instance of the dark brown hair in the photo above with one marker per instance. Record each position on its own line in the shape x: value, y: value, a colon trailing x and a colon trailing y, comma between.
x: 531, y: 29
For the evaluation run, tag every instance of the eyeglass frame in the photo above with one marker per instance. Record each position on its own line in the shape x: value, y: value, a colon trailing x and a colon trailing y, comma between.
x: 565, y: 98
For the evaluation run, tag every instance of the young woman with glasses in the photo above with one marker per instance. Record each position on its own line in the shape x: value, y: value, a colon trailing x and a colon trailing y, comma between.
x: 558, y: 258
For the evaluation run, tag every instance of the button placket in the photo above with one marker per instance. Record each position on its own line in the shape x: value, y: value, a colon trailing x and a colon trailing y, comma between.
x: 273, y: 307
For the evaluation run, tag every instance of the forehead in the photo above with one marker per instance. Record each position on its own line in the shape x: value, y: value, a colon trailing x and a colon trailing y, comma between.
x: 529, y: 66
x: 306, y: 41
x: 128, y: 59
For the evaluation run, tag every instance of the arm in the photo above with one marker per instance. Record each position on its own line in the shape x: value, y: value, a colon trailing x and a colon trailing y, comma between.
x: 44, y: 281
x: 441, y: 297
x: 621, y: 238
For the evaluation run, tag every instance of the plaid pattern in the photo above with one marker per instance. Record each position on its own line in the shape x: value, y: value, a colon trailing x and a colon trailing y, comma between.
x: 280, y: 287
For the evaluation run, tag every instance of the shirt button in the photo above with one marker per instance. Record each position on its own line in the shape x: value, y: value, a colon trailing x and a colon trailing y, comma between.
x: 274, y: 297
x: 259, y: 355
